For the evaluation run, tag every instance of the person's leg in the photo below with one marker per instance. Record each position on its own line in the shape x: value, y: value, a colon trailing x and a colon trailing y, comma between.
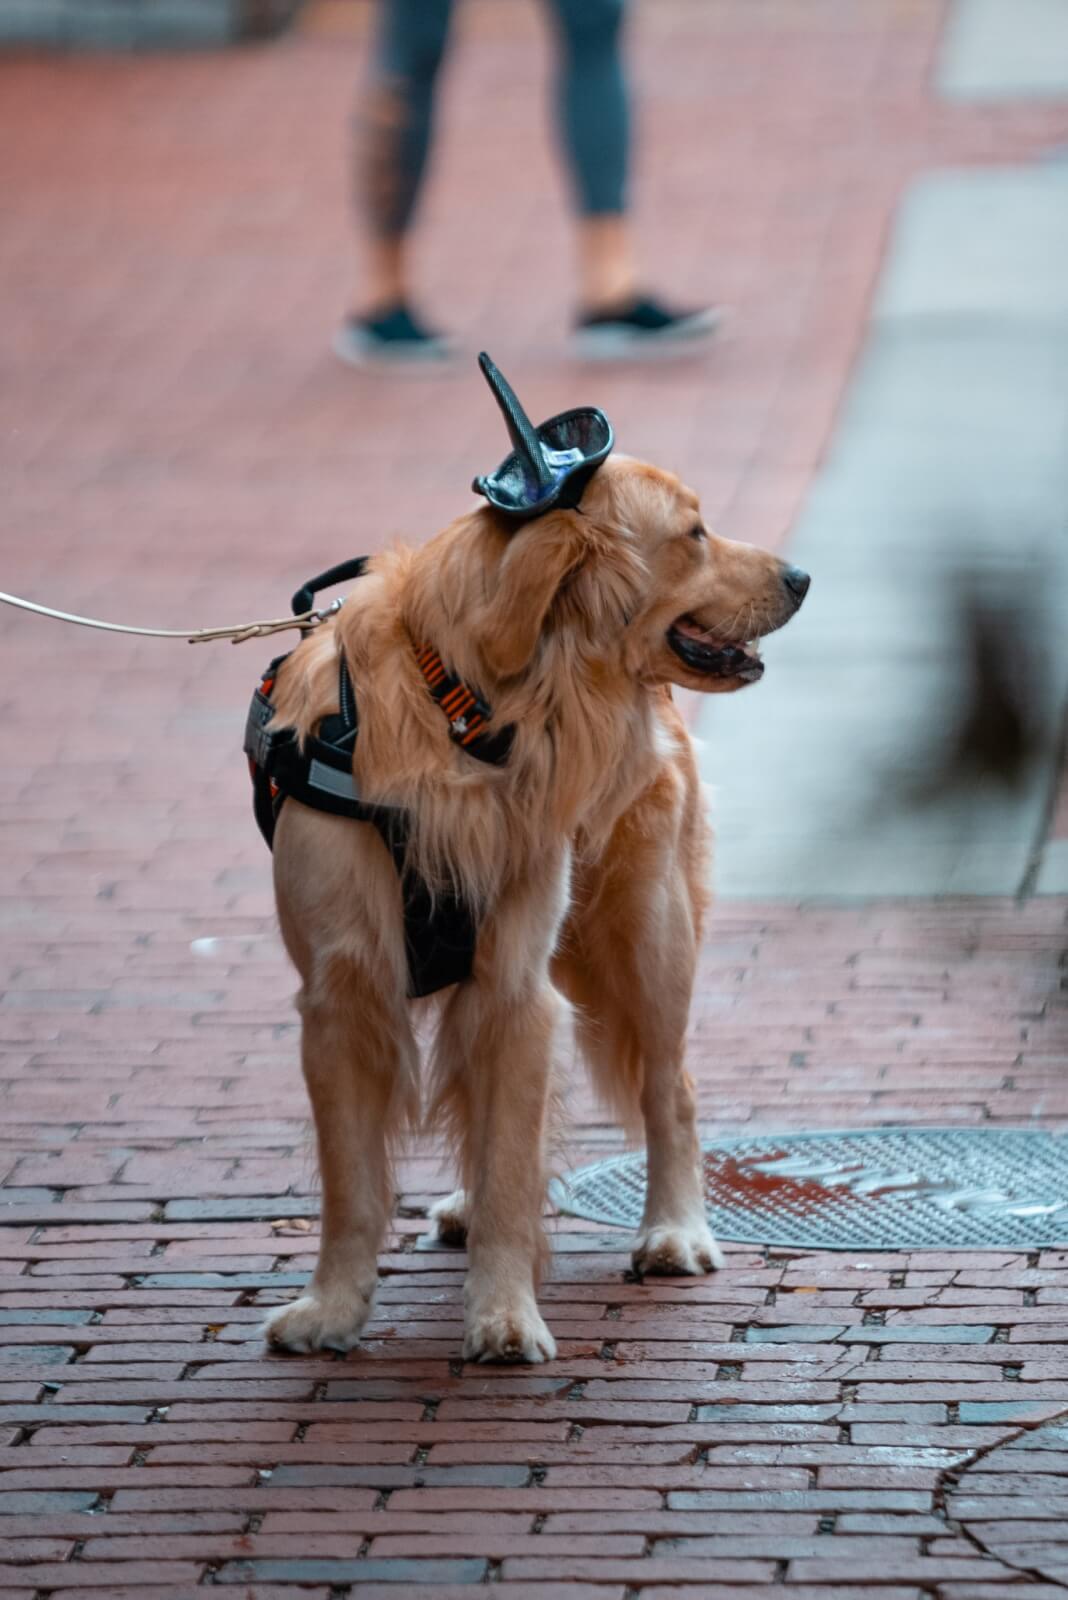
x: 392, y: 143
x: 594, y: 110
x: 594, y: 113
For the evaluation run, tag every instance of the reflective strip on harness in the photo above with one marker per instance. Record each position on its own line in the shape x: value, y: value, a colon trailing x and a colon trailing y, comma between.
x: 257, y: 740
x: 340, y: 784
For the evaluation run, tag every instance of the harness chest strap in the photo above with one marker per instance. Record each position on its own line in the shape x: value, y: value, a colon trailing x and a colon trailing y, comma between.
x: 467, y: 713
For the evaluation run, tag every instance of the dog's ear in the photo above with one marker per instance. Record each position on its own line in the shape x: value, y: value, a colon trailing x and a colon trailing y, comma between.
x: 536, y: 562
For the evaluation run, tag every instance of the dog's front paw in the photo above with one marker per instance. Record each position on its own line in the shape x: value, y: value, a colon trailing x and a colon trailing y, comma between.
x: 508, y: 1333
x: 680, y: 1250
x: 319, y: 1322
x: 448, y: 1219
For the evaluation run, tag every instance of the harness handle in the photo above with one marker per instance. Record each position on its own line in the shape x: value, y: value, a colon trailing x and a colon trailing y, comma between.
x: 304, y: 599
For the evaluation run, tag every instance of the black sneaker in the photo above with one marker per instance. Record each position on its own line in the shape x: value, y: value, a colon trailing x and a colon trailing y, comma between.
x: 643, y: 327
x: 390, y: 336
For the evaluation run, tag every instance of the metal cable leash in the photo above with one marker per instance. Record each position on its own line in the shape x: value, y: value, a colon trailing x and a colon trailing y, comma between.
x: 237, y: 634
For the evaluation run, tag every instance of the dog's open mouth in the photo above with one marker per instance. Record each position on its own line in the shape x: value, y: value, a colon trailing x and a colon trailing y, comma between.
x: 701, y: 652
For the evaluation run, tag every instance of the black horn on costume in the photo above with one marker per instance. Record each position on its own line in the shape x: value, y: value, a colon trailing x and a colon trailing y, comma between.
x: 521, y: 430
x: 550, y: 465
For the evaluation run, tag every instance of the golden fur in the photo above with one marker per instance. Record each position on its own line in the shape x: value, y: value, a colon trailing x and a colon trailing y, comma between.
x: 584, y: 855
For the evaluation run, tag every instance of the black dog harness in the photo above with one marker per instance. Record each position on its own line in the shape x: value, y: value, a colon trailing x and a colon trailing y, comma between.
x: 440, y: 930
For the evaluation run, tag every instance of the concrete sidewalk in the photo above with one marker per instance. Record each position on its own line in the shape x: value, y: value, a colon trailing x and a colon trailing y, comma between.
x: 943, y: 502
x: 180, y: 448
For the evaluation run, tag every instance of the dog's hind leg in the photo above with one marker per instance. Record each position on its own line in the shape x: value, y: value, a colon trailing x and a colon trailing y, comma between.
x: 449, y: 1217
x: 628, y: 960
x: 674, y: 1237
x: 632, y: 1029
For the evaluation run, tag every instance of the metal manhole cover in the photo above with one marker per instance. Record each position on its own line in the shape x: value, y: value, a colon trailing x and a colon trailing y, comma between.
x: 877, y: 1189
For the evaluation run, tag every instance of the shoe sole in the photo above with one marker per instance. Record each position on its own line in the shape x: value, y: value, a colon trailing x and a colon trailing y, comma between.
x: 617, y: 342
x: 358, y: 350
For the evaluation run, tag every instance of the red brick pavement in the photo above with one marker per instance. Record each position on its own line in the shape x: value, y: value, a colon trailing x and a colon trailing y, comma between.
x: 179, y: 448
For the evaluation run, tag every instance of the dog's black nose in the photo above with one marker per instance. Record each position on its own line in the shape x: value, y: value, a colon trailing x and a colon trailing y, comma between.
x: 797, y: 582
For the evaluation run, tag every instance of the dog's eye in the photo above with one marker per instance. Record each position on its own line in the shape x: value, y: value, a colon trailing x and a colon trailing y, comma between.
x: 698, y: 532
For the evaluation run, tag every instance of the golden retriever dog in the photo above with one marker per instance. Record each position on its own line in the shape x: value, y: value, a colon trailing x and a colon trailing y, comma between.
x: 585, y: 855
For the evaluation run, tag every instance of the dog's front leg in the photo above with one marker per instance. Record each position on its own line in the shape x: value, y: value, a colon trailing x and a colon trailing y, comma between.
x: 506, y: 1053
x: 358, y: 1061
x: 494, y: 1064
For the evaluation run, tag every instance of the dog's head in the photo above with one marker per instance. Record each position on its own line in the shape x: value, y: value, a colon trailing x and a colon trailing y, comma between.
x: 633, y: 579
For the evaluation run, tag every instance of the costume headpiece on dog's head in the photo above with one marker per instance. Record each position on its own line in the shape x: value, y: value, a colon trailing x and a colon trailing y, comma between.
x: 550, y: 466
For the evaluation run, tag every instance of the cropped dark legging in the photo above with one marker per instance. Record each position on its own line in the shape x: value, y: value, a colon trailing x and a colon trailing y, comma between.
x: 591, y: 99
